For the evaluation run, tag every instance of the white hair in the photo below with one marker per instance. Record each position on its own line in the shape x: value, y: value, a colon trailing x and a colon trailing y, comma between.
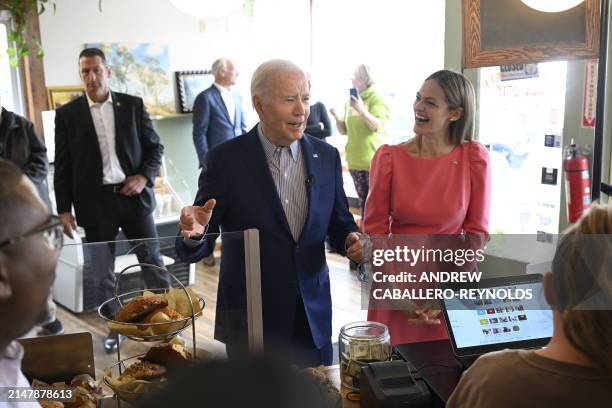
x: 266, y: 71
x: 218, y: 65
x: 364, y: 72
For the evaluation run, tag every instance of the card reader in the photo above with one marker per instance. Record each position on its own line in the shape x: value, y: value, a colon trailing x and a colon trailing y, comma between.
x: 393, y: 384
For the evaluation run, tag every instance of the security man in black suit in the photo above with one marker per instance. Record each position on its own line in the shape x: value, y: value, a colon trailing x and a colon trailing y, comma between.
x: 107, y: 155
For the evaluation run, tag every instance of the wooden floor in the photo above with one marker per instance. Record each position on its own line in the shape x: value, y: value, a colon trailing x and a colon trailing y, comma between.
x: 345, y: 297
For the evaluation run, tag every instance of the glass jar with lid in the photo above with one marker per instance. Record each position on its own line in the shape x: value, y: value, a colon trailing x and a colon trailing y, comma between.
x: 361, y: 343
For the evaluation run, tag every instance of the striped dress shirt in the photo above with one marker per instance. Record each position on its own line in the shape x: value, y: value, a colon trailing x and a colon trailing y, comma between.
x: 288, y: 171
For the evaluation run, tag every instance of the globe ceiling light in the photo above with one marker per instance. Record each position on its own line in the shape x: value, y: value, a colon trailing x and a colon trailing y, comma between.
x: 207, y: 8
x: 551, y: 6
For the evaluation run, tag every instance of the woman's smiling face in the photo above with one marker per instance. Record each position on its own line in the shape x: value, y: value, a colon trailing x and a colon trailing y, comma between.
x: 431, y: 112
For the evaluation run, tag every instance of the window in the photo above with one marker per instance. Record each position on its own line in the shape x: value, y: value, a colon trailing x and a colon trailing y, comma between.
x: 515, y: 118
x: 402, y: 41
x: 10, y: 96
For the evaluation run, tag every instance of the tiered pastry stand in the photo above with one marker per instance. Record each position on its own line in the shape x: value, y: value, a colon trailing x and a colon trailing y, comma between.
x: 177, y: 327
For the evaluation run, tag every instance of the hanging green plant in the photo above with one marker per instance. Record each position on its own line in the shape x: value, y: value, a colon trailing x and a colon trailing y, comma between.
x: 21, y: 11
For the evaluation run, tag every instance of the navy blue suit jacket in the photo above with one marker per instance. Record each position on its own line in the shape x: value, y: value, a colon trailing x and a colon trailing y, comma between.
x: 237, y: 176
x: 211, y: 122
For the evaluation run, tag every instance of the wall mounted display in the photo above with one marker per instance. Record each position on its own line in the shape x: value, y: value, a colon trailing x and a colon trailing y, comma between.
x: 141, y: 70
x: 189, y: 84
x: 502, y: 32
x: 59, y: 95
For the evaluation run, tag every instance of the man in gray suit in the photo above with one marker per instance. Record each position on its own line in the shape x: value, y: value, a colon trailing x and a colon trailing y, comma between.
x: 217, y: 111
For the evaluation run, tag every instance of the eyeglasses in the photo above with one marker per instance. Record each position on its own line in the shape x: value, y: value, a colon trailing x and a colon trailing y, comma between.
x: 52, y: 230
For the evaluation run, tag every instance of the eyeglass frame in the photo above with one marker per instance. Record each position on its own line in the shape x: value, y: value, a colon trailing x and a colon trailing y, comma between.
x: 52, y: 222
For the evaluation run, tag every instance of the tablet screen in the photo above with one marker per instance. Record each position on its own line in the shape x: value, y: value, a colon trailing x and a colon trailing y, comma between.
x: 488, y: 321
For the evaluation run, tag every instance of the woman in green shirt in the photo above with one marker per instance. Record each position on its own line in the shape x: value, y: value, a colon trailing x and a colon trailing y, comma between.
x: 364, y: 121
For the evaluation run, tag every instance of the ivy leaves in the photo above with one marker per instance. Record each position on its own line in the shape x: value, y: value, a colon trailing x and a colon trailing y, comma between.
x: 21, y: 11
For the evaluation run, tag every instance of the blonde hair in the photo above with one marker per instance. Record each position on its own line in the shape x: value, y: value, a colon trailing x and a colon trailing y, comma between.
x: 582, y: 280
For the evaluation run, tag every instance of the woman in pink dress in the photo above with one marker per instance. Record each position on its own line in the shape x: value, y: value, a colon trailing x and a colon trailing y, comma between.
x: 436, y: 183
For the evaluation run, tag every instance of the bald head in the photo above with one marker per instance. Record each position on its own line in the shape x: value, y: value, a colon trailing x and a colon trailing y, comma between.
x: 265, y: 74
x: 18, y: 200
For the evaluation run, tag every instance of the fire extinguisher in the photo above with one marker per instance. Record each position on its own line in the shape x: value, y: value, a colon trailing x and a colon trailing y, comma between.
x: 577, y: 181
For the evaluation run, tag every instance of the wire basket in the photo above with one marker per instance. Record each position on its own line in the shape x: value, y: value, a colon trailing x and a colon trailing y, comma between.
x: 130, y: 391
x: 153, y: 331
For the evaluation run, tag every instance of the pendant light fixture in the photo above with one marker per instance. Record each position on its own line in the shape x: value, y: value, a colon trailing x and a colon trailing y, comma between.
x: 551, y: 6
x: 207, y: 8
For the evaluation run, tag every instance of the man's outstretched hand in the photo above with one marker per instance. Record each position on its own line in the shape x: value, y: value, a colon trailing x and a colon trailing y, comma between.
x: 195, y: 218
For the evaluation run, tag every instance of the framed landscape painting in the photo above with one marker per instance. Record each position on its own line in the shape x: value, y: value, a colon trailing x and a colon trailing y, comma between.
x: 60, y: 95
x: 189, y: 84
x: 141, y: 69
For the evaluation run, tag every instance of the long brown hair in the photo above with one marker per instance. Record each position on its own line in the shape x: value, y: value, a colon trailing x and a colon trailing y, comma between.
x: 459, y: 93
x: 582, y: 279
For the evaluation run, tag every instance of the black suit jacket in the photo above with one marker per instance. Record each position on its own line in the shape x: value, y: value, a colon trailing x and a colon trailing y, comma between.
x: 318, y: 114
x: 78, y: 161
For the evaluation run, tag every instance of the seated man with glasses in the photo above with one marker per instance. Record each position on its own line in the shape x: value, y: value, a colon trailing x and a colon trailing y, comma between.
x: 20, y: 144
x: 30, y: 241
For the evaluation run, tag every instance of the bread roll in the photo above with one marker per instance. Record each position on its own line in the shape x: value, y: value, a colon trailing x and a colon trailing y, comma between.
x: 164, y: 315
x: 51, y: 404
x: 140, y: 306
x: 168, y: 355
x: 143, y: 370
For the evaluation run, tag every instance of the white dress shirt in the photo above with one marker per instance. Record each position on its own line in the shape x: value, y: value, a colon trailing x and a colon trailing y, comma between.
x: 103, y: 117
x: 228, y: 100
x: 11, y: 375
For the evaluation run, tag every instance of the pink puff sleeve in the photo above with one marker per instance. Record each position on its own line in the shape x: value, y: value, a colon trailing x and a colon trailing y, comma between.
x: 477, y: 217
x: 378, y: 203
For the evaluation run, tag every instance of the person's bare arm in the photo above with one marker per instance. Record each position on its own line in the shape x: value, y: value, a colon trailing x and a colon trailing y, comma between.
x: 370, y: 120
x: 340, y: 124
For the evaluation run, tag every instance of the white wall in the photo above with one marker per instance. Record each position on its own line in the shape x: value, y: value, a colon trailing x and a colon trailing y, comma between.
x: 77, y: 22
x: 279, y: 30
